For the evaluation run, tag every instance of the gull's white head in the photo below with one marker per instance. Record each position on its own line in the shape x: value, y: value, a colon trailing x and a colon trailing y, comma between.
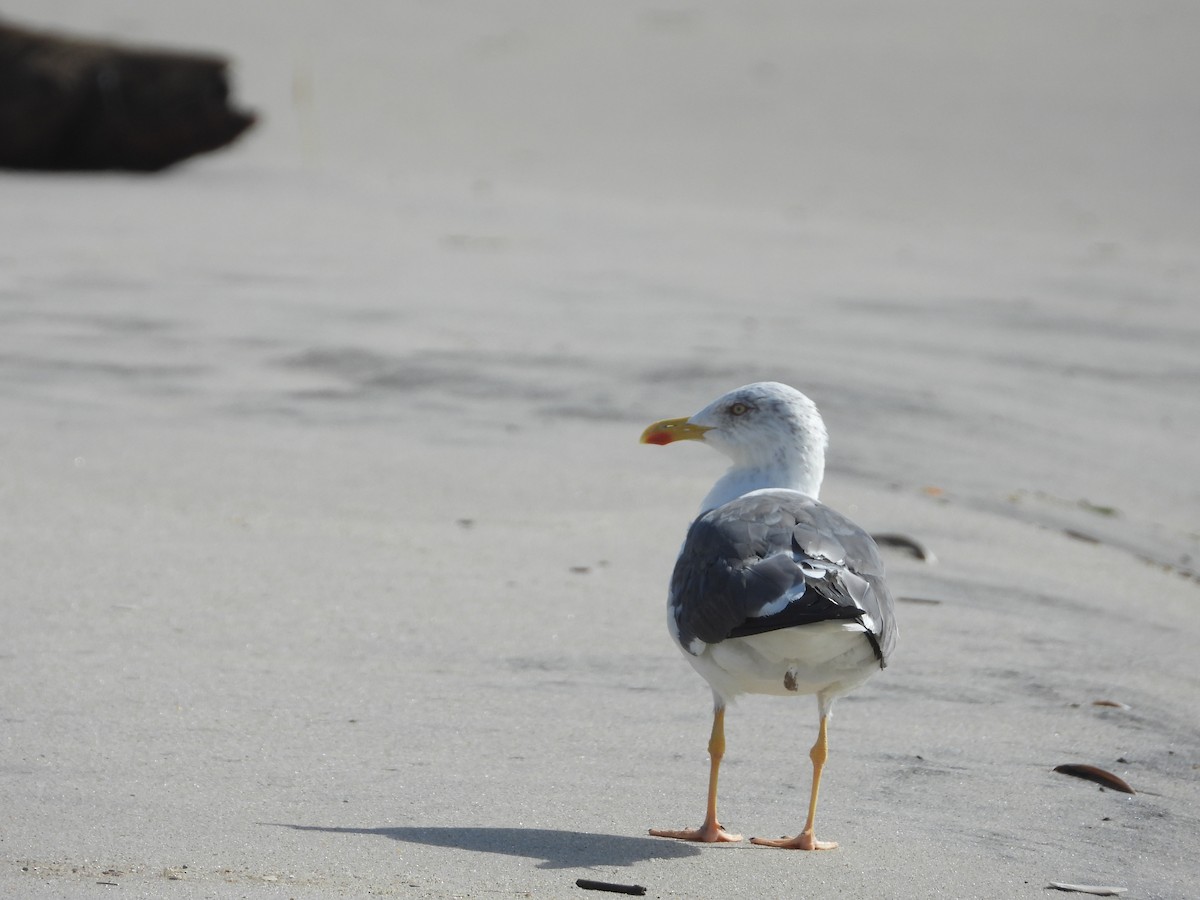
x: 772, y: 433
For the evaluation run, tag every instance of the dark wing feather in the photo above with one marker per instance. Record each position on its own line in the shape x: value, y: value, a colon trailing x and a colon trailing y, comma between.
x: 777, y: 559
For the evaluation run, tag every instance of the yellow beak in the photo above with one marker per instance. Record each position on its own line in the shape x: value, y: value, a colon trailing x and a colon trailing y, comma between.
x: 670, y: 430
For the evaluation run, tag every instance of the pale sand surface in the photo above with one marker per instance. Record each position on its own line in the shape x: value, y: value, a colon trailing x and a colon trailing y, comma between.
x: 332, y: 568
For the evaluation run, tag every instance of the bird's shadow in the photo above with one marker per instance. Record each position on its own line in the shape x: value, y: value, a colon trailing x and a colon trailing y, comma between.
x: 556, y: 849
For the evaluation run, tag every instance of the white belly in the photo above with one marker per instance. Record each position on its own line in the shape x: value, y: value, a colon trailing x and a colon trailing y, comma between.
x: 826, y: 658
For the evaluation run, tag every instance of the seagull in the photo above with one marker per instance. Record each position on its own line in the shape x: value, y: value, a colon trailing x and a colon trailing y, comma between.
x: 773, y: 592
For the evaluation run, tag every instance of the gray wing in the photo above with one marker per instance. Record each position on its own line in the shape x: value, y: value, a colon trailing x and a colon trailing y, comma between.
x: 778, y: 559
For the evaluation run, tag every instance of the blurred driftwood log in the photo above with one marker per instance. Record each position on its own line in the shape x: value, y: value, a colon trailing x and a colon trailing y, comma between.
x: 68, y: 103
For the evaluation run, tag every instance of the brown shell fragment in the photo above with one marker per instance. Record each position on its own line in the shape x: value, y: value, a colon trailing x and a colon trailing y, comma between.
x: 1099, y: 776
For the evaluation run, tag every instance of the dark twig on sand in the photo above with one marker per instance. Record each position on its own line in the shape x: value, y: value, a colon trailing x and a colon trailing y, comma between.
x: 905, y: 542
x: 635, y: 889
x: 1094, y: 889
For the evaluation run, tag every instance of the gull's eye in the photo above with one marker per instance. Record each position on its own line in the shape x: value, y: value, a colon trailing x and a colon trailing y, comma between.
x: 739, y: 409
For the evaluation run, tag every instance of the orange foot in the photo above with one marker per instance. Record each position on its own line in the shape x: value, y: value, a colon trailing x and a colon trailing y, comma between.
x: 708, y: 833
x: 802, y: 841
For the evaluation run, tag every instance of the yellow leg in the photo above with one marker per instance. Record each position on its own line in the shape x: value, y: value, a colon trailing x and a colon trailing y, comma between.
x: 806, y: 839
x: 711, y: 831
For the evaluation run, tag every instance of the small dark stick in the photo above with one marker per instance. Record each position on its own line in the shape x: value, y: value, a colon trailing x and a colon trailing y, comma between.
x: 635, y: 889
x: 905, y: 542
x: 925, y: 601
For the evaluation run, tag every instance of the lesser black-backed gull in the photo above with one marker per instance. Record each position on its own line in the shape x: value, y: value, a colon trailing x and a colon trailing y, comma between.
x: 773, y: 592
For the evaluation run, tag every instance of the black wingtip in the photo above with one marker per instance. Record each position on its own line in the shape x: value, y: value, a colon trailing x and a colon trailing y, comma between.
x: 874, y: 643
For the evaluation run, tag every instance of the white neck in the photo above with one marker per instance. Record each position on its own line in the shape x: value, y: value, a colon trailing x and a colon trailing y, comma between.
x: 801, y: 472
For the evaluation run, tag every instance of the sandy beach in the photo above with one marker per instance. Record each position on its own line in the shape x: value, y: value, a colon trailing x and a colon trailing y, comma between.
x: 332, y: 566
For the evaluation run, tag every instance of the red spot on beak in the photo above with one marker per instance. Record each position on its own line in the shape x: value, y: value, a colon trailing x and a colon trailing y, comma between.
x: 660, y: 438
